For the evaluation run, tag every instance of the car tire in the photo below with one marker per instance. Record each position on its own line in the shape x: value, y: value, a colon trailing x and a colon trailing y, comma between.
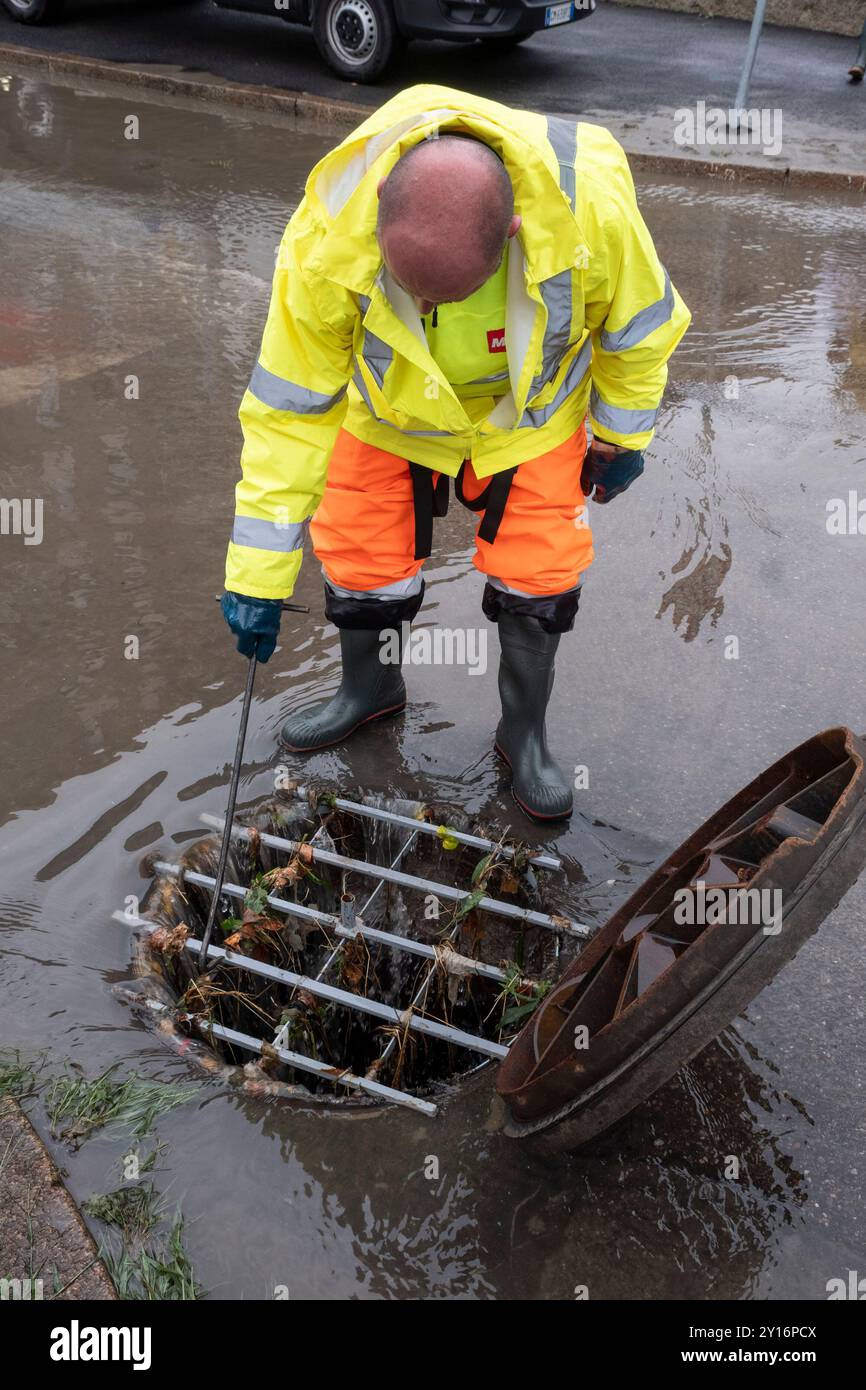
x: 357, y: 38
x: 34, y: 11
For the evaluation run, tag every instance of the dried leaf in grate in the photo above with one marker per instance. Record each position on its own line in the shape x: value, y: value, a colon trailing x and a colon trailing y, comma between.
x: 255, y: 936
x: 354, y: 965
x: 170, y: 941
x: 456, y: 967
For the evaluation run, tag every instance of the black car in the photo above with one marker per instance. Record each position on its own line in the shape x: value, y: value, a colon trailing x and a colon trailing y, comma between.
x: 358, y: 38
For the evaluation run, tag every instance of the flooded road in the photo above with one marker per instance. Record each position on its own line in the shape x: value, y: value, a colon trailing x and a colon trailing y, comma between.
x: 136, y: 283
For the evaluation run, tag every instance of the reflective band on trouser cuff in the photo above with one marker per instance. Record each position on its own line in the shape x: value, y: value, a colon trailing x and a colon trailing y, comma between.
x: 552, y: 612
x: 370, y: 610
x: 280, y: 394
x: 521, y: 593
x: 270, y: 535
x: 620, y: 420
x: 562, y: 135
x: 536, y: 415
x: 401, y: 588
x: 644, y: 322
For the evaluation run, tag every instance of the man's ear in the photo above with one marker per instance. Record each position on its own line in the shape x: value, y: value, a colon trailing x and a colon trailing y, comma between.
x: 516, y: 224
x: 379, y: 186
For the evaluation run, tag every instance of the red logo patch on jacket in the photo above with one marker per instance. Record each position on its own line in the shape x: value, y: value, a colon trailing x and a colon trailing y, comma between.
x: 496, y: 340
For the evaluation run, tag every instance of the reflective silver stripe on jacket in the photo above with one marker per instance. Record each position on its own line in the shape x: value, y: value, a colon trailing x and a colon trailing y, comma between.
x: 618, y: 419
x: 557, y: 291
x: 557, y: 295
x: 270, y: 535
x: 378, y: 357
x: 401, y: 588
x: 644, y: 322
x: 280, y: 394
x: 485, y: 380
x: 562, y: 135
x: 377, y: 354
x: 533, y: 416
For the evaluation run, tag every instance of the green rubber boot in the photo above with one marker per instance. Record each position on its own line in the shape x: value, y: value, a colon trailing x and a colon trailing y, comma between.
x: 525, y: 682
x: 369, y: 689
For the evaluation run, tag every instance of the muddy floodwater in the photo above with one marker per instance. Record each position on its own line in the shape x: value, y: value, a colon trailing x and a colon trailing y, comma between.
x: 722, y: 623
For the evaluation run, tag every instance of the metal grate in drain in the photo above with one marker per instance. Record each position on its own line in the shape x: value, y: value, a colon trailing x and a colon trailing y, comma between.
x: 409, y: 1016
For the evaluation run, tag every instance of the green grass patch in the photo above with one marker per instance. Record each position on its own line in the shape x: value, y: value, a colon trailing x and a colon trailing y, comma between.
x: 135, y: 1210
x: 17, y: 1077
x: 76, y: 1106
x: 519, y: 998
x: 158, y: 1271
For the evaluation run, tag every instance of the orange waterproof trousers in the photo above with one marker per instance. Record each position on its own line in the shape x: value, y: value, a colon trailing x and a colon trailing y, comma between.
x: 364, y: 530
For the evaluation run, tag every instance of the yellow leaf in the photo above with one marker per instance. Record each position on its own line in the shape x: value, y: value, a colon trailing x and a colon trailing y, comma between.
x: 447, y: 837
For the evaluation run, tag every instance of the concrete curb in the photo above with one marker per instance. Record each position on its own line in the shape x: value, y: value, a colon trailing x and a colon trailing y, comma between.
x: 42, y: 1233
x: 304, y: 104
x: 209, y: 89
x: 756, y: 172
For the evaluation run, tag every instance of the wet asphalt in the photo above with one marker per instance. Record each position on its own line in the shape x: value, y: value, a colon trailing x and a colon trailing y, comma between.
x: 619, y: 58
x: 151, y: 260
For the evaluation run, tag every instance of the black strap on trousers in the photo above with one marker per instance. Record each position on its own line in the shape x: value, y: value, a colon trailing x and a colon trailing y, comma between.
x: 491, y: 500
x: 429, y: 499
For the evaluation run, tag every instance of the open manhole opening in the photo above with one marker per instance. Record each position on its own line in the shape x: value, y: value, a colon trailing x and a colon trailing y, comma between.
x: 364, y: 950
x: 387, y: 950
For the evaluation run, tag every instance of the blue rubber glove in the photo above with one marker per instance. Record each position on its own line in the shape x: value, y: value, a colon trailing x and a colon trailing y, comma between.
x: 610, y: 476
x: 254, y: 621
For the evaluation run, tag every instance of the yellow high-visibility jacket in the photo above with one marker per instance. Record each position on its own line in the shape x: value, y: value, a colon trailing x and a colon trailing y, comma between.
x: 591, y: 320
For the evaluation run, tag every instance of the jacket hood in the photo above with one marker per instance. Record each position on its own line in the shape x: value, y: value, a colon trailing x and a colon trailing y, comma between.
x: 342, y: 190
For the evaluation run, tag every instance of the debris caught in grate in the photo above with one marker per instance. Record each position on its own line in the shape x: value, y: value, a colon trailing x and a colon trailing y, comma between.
x: 387, y: 952
x: 366, y: 949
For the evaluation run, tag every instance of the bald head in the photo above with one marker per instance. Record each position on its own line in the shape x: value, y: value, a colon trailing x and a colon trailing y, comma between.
x: 446, y: 211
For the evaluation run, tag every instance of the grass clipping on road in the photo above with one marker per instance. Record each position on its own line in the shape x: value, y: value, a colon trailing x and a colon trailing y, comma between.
x: 76, y: 1106
x: 143, y: 1262
x: 146, y: 1266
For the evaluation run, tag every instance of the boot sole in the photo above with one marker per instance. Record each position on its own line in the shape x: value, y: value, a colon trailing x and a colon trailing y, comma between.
x: 332, y: 742
x: 533, y: 815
